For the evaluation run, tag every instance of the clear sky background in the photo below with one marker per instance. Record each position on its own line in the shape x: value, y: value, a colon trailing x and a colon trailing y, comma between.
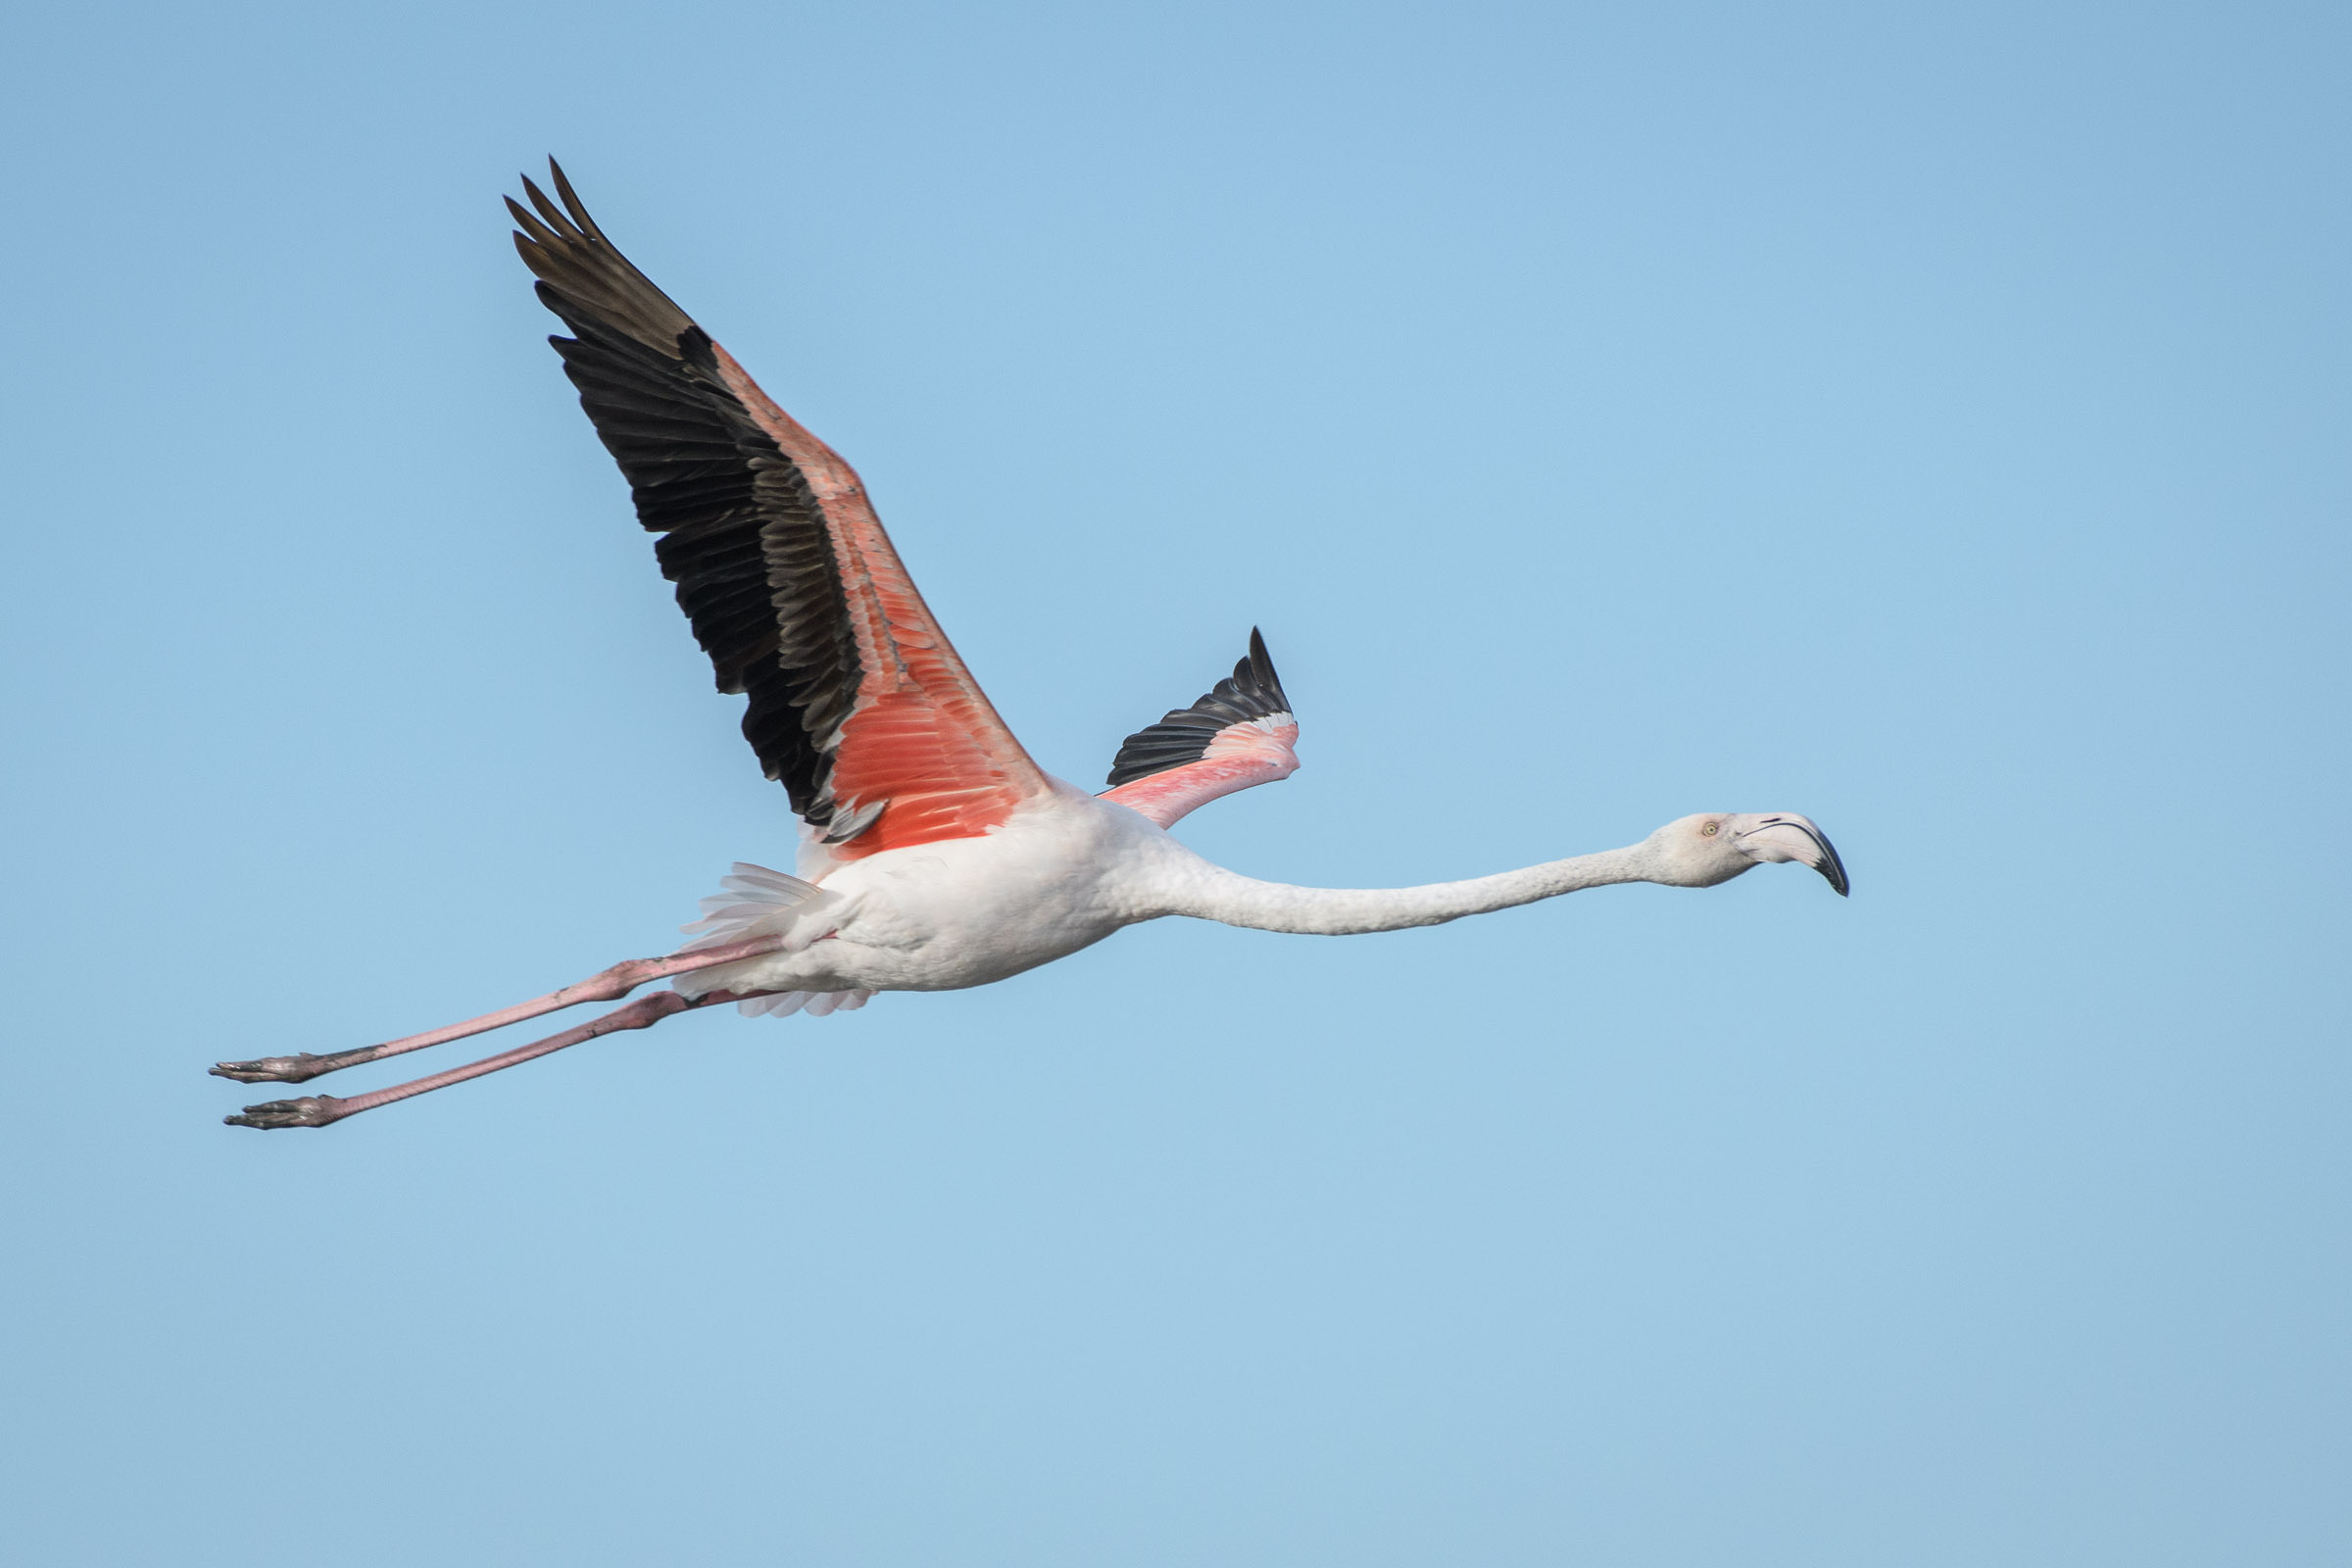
x: 1930, y: 418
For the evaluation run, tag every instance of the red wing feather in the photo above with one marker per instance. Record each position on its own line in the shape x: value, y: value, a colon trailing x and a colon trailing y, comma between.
x: 921, y: 734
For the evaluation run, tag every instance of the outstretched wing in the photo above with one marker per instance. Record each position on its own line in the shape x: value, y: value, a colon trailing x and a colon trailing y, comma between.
x: 1239, y: 734
x: 859, y: 704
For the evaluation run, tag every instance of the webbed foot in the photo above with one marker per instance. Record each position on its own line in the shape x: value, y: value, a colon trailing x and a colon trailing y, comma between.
x: 287, y: 1069
x: 311, y: 1110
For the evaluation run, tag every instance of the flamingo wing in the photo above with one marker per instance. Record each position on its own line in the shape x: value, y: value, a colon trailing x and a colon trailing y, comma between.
x: 860, y: 706
x: 1239, y: 733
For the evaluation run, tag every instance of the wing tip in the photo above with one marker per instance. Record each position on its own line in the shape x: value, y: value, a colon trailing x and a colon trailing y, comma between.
x: 1254, y: 691
x: 1261, y: 665
x: 569, y: 253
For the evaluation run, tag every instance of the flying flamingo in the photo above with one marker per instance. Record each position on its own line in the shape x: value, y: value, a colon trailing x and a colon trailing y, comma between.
x: 935, y: 854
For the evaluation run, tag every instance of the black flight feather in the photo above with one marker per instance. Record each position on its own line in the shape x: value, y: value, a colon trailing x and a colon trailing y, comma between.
x: 742, y: 534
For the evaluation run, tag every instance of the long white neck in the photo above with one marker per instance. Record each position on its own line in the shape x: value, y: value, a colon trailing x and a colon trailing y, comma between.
x: 1216, y: 894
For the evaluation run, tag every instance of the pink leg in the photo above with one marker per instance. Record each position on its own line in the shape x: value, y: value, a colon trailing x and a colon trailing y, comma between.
x: 606, y: 985
x: 318, y: 1111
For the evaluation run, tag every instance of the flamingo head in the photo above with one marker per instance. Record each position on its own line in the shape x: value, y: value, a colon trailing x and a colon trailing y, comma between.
x: 1698, y: 852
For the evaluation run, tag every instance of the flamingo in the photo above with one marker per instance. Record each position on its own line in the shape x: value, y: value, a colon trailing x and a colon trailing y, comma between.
x: 934, y: 854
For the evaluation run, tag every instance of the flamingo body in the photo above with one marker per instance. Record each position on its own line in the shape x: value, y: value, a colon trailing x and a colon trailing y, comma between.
x: 1062, y: 873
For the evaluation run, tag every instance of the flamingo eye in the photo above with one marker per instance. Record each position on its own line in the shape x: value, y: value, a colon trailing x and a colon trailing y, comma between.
x: 1709, y: 831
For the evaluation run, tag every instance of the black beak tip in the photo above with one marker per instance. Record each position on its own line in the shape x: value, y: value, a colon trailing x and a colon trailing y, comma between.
x: 1830, y: 867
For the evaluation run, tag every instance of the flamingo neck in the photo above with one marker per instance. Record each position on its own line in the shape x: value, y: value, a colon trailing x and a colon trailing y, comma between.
x: 1343, y: 911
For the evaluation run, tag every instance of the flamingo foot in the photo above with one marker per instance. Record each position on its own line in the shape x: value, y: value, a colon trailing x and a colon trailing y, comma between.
x: 295, y: 1069
x: 311, y: 1110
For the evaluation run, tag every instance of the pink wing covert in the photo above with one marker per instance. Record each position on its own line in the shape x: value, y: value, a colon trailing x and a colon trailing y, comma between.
x: 922, y: 738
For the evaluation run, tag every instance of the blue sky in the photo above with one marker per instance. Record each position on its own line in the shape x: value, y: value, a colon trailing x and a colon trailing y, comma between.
x: 1930, y: 421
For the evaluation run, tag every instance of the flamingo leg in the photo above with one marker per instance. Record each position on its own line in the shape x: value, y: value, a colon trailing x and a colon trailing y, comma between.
x: 606, y: 985
x: 321, y: 1110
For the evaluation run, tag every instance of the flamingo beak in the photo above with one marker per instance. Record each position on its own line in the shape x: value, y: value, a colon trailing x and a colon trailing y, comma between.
x: 1793, y: 838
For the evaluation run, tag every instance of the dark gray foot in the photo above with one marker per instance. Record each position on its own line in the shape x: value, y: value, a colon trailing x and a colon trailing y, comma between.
x: 311, y: 1110
x: 290, y: 1069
